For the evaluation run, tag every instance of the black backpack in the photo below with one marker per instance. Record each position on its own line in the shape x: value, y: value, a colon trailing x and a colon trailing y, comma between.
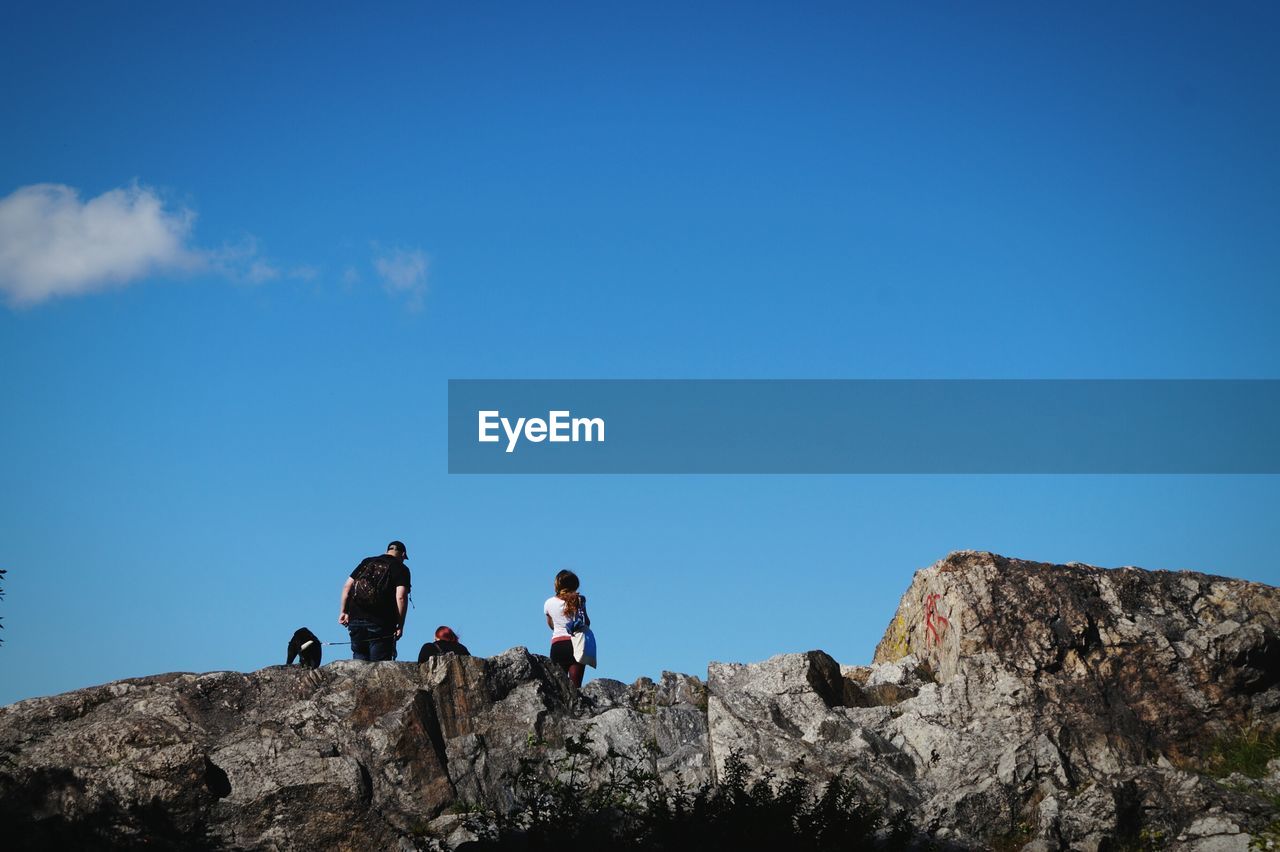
x: 372, y: 578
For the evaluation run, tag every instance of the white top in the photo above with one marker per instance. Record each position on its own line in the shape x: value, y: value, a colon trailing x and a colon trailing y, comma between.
x: 554, y: 607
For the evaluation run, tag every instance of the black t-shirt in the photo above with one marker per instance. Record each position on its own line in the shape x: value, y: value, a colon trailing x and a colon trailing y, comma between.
x: 441, y: 647
x: 385, y: 612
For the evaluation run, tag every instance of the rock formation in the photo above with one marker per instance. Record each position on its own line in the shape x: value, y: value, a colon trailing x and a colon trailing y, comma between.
x: 1010, y: 703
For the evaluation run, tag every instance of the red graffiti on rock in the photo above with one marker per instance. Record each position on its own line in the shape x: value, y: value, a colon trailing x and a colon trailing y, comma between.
x: 935, y: 623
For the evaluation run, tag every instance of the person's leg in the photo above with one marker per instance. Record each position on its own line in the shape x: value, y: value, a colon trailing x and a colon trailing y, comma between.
x: 562, y: 655
x: 382, y: 643
x: 576, y: 671
x: 359, y: 631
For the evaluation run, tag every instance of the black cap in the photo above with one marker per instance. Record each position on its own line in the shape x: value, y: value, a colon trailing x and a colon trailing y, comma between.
x: 399, y: 545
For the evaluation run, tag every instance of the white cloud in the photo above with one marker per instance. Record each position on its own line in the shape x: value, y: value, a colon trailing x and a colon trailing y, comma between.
x: 240, y: 262
x: 261, y: 271
x: 54, y: 244
x: 404, y: 271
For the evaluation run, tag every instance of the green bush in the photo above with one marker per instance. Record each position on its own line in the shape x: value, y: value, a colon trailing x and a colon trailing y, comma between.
x: 1246, y: 752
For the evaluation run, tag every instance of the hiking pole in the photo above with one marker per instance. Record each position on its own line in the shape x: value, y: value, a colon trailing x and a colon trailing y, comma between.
x: 348, y: 642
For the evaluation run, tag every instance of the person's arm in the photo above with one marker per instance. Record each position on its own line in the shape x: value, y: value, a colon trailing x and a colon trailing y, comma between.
x: 342, y: 604
x: 584, y: 611
x: 402, y: 607
x: 550, y: 623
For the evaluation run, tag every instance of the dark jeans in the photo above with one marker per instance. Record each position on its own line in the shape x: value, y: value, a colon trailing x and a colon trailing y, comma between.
x: 372, y: 640
x: 562, y: 654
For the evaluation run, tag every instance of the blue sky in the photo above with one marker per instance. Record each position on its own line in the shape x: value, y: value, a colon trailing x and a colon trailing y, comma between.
x: 317, y: 215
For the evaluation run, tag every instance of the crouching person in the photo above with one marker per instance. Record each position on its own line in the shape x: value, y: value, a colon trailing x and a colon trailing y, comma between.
x: 446, y: 643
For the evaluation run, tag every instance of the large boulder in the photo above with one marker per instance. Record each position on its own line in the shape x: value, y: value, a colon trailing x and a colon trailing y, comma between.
x: 350, y: 756
x: 797, y: 714
x: 1066, y: 696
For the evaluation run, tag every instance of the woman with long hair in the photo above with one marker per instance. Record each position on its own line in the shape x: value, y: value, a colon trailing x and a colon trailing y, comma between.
x: 560, y: 609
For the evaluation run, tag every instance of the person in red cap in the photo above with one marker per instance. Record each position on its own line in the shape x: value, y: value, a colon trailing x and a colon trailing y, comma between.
x: 375, y: 601
x: 446, y: 643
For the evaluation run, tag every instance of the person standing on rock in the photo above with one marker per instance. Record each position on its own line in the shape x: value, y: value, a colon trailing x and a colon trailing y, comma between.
x: 375, y: 601
x: 561, y: 609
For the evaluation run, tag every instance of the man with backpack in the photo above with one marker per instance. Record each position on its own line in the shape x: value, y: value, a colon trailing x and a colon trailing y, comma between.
x: 375, y: 600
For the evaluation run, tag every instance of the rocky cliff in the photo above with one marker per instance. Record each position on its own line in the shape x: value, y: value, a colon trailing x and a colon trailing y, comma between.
x: 1010, y: 704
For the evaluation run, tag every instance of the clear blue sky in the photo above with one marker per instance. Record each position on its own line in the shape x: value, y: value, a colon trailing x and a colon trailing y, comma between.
x: 198, y: 449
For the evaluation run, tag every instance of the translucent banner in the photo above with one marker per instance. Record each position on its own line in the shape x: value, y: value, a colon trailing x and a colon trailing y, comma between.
x: 864, y: 426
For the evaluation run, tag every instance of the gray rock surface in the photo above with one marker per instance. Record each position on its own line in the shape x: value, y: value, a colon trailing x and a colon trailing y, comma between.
x: 1066, y: 695
x: 1010, y: 704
